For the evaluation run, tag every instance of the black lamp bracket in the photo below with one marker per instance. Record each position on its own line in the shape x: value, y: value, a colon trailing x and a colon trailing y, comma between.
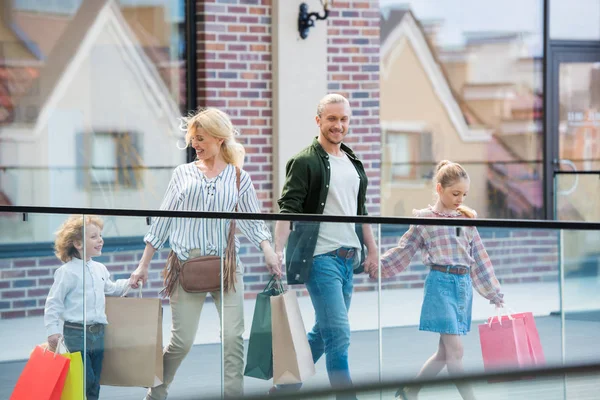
x: 307, y: 20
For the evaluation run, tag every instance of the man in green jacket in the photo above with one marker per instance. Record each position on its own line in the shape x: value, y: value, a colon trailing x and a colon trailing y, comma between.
x: 327, y: 178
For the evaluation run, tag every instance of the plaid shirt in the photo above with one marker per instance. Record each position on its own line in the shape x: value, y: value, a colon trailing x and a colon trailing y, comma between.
x: 445, y: 245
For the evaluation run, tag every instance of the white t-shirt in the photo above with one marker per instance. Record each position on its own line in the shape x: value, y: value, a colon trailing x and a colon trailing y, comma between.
x: 342, y: 199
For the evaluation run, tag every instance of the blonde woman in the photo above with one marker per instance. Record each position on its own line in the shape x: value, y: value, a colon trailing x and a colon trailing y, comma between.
x: 207, y: 184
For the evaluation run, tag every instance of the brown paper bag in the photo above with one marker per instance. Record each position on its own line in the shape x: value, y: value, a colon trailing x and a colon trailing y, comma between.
x: 133, y: 354
x: 292, y: 358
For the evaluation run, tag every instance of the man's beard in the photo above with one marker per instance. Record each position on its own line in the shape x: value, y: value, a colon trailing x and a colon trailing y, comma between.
x: 330, y: 140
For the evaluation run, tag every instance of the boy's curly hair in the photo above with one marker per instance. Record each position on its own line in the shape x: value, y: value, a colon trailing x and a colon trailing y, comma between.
x: 70, y: 232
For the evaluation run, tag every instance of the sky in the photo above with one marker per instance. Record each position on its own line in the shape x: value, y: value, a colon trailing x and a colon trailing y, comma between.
x: 569, y: 19
x: 524, y: 16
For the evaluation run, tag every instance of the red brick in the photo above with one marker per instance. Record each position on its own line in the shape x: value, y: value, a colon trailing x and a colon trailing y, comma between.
x: 249, y: 20
x: 258, y: 29
x: 12, y: 294
x: 227, y: 18
x: 28, y: 262
x: 228, y: 56
x: 215, y: 46
x: 238, y: 103
x: 12, y: 314
x: 258, y: 11
x: 237, y: 85
x: 215, y: 27
x: 35, y: 313
x: 115, y: 268
x: 237, y: 10
x: 12, y: 273
x: 44, y: 262
x: 39, y: 272
x: 237, y: 28
x: 213, y: 8
x: 249, y: 38
x: 237, y: 47
x: 38, y: 292
x: 258, y: 47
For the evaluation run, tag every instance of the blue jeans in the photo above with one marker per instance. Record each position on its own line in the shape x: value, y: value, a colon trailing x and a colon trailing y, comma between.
x: 93, y: 355
x: 330, y: 287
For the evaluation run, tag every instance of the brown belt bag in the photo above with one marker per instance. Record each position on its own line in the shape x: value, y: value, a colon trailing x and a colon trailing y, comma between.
x: 203, y: 274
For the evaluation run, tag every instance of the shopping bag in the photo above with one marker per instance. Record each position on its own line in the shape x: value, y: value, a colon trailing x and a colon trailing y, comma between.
x: 43, y: 377
x: 259, y: 363
x: 292, y: 357
x: 504, y: 346
x: 73, y: 388
x: 533, y: 338
x: 133, y: 342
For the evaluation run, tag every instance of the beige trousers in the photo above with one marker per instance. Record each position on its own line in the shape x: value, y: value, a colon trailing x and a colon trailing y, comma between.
x: 186, y: 308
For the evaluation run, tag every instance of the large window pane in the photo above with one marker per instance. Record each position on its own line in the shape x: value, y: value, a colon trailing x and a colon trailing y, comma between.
x: 564, y: 12
x: 91, y: 92
x: 464, y: 86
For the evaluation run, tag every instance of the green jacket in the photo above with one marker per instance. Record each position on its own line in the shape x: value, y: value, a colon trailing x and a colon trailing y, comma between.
x: 305, y: 192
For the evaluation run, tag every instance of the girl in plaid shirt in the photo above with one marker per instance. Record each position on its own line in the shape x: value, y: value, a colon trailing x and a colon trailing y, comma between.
x: 458, y: 262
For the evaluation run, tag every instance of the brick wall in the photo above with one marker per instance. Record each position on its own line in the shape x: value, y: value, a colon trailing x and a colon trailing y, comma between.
x: 353, y: 71
x: 519, y: 256
x: 234, y: 74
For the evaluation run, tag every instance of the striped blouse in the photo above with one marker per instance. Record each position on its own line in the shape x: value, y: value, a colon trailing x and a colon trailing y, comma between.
x: 190, y: 190
x: 445, y: 245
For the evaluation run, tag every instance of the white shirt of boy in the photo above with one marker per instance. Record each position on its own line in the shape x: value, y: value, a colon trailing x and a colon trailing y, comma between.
x: 65, y: 300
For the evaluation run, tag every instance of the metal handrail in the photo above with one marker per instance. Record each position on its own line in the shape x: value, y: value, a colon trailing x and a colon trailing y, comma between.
x: 543, y: 372
x: 490, y: 223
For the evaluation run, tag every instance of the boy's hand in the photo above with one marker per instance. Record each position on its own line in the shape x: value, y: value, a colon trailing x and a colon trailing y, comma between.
x: 53, y: 341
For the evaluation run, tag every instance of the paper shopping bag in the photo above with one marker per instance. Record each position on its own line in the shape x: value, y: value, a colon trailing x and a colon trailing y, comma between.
x: 504, y: 345
x: 73, y: 388
x: 259, y: 363
x: 533, y: 338
x: 43, y: 377
x: 133, y: 342
x: 292, y: 357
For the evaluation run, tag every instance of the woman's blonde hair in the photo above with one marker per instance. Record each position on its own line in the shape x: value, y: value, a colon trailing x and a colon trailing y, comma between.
x: 217, y: 124
x: 447, y: 173
x: 71, y: 231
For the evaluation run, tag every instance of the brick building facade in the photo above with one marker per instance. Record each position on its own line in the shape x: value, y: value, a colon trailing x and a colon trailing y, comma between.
x: 234, y: 73
x: 234, y: 62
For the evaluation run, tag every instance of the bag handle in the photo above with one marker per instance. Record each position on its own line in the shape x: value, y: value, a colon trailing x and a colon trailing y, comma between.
x: 59, y: 343
x: 509, y: 312
x: 129, y: 287
x: 274, y: 283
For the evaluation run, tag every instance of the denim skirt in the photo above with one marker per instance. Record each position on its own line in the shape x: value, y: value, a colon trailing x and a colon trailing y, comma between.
x: 447, y: 303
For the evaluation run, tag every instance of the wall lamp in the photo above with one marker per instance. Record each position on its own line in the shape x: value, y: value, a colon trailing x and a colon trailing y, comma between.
x: 307, y: 20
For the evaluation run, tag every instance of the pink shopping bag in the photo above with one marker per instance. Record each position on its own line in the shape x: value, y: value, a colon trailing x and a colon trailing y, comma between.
x: 533, y: 338
x: 504, y: 346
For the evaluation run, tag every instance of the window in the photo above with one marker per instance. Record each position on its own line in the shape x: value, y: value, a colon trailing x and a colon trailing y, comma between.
x: 104, y: 159
x: 410, y: 155
x: 115, y: 159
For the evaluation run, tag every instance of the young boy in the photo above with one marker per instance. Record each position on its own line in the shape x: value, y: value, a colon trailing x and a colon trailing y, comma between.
x: 74, y: 280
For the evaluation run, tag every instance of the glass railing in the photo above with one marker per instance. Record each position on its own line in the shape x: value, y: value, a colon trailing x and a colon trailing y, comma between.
x: 391, y: 329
